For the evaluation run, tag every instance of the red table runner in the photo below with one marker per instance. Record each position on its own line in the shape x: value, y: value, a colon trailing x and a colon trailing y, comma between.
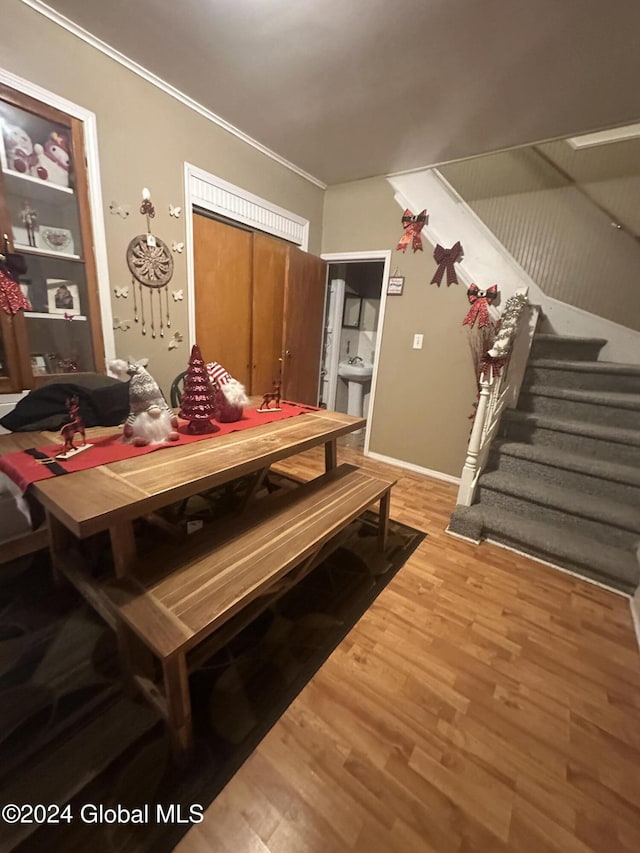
x: 27, y: 466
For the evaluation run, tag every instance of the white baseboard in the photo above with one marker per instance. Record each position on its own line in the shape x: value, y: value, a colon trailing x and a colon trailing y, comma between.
x: 634, y: 603
x: 400, y: 463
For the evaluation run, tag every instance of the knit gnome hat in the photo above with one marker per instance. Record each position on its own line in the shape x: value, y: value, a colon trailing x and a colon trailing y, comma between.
x: 233, y: 391
x: 144, y: 392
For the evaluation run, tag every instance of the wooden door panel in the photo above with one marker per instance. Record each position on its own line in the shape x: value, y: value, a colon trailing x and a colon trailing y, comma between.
x: 222, y: 282
x: 305, y: 287
x: 269, y: 269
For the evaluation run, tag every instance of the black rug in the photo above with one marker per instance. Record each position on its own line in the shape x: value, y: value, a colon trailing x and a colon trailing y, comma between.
x: 69, y: 735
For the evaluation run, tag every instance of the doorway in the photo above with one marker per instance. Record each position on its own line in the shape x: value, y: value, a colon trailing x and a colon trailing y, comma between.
x: 353, y: 320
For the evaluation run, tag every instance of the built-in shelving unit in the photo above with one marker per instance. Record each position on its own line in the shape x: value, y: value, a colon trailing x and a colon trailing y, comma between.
x: 45, y: 220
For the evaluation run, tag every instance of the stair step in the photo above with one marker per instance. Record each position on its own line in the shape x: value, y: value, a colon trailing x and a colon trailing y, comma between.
x: 566, y: 346
x: 572, y: 470
x: 609, y: 408
x: 580, y: 505
x: 567, y: 549
x: 621, y: 446
x: 594, y: 375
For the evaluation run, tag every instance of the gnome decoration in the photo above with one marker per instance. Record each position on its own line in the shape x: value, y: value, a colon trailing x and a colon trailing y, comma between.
x: 150, y: 419
x: 229, y: 394
x: 198, y: 402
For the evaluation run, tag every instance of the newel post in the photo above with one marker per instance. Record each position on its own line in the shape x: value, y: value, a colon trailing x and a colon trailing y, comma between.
x: 470, y: 468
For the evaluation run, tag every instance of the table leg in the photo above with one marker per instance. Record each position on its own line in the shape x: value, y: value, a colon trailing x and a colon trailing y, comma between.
x: 330, y: 455
x: 383, y: 520
x: 59, y: 538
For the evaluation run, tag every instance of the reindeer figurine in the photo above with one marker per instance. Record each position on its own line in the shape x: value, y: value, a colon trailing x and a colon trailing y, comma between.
x: 273, y: 396
x: 75, y: 425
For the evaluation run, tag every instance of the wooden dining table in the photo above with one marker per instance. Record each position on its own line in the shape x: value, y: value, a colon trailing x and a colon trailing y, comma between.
x: 113, y: 496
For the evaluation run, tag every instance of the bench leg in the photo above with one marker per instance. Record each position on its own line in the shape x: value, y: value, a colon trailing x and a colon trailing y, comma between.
x: 136, y: 661
x: 176, y: 685
x: 383, y: 520
x: 330, y: 455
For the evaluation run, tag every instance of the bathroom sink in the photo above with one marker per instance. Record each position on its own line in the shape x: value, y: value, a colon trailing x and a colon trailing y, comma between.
x: 355, y: 372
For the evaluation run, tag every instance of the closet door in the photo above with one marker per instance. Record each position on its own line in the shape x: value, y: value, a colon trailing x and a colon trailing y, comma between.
x: 305, y: 287
x: 269, y: 269
x: 222, y: 258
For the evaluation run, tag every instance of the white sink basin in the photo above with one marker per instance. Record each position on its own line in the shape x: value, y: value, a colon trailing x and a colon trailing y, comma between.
x: 357, y: 376
x: 355, y: 372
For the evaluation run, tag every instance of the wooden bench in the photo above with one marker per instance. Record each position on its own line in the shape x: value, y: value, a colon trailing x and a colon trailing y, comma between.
x: 214, y: 575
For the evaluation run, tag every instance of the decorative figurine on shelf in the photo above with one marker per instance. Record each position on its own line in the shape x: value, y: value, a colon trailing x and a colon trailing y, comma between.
x: 74, y: 427
x: 150, y: 420
x: 53, y: 160
x: 29, y: 218
x: 19, y: 149
x: 229, y: 394
x: 12, y: 266
x: 272, y: 397
x: 198, y: 403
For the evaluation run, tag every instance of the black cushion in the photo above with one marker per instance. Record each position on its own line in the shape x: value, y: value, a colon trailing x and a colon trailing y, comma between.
x: 45, y: 408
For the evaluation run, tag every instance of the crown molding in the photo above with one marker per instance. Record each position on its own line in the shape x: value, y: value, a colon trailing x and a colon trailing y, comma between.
x: 161, y: 84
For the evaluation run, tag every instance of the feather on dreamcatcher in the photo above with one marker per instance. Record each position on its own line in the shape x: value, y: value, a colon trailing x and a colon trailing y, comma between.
x: 151, y: 265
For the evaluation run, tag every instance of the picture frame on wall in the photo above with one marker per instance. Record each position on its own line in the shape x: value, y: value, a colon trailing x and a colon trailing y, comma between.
x: 63, y: 297
x: 39, y: 365
x: 395, y: 285
x: 26, y: 287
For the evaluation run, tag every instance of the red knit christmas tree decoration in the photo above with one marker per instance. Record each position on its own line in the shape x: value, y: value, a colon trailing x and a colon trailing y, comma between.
x: 198, y: 402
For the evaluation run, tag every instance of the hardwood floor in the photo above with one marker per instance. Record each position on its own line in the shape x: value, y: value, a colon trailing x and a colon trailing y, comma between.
x: 485, y: 703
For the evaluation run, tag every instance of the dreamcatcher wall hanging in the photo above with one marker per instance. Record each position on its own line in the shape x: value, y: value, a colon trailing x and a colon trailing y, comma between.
x: 151, y: 265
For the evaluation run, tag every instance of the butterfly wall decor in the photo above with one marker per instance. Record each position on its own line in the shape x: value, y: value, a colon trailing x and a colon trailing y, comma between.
x: 176, y: 340
x: 175, y: 211
x: 178, y: 295
x: 122, y: 325
x: 122, y: 210
x: 177, y: 247
x: 121, y: 292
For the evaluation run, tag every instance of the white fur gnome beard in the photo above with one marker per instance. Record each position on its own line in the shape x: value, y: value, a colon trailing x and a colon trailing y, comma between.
x: 154, y: 425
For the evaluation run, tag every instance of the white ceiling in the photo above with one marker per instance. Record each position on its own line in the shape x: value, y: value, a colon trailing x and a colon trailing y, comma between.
x: 346, y: 89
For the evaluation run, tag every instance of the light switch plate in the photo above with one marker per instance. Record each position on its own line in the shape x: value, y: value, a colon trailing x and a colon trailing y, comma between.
x: 417, y: 341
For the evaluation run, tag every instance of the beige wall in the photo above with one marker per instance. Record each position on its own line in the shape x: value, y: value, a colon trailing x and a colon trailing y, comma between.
x: 423, y: 397
x: 145, y: 136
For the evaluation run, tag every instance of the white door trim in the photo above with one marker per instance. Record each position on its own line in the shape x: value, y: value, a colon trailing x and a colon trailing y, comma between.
x: 88, y: 120
x: 385, y: 256
x: 207, y: 191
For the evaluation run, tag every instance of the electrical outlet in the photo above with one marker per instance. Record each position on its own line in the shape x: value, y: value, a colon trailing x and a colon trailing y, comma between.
x: 417, y: 341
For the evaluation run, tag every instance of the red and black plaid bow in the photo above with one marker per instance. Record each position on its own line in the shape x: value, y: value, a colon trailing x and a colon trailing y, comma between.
x: 412, y: 225
x: 446, y: 258
x: 480, y: 301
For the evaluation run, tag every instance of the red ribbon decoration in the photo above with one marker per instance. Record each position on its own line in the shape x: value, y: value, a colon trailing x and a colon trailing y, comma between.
x: 480, y: 301
x: 446, y: 258
x: 412, y: 225
x: 12, y: 299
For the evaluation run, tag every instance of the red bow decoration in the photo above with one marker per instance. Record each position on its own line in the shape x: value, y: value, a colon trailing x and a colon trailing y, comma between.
x: 412, y: 225
x: 446, y: 258
x: 480, y: 301
x: 12, y: 299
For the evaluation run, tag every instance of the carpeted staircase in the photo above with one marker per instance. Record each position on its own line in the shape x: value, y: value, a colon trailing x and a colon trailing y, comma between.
x: 563, y: 478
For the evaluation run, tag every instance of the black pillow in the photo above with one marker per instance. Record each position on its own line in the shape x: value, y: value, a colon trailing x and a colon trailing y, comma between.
x: 45, y: 408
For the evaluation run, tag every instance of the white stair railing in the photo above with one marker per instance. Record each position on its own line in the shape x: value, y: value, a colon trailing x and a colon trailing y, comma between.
x: 500, y: 381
